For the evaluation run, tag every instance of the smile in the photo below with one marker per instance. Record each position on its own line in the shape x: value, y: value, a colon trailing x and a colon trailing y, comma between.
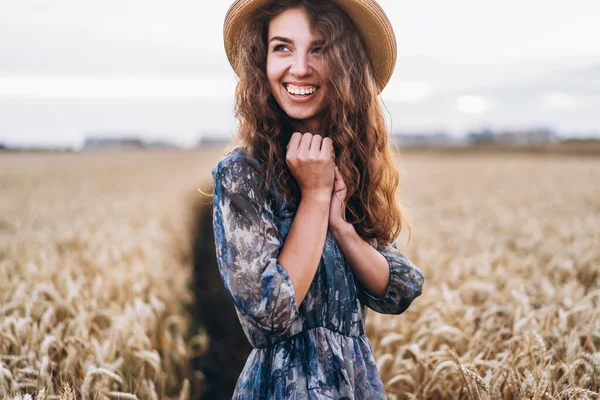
x: 301, y: 91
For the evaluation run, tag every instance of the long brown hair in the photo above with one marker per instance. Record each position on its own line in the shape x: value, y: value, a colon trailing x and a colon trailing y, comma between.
x: 353, y: 119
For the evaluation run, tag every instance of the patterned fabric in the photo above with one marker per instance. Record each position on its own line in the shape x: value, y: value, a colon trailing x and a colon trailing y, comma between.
x: 318, y: 350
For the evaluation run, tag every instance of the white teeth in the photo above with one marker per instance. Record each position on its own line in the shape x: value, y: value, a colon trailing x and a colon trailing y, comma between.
x: 301, y: 91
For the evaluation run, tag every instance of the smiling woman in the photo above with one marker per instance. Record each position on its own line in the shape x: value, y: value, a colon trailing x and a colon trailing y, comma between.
x: 296, y: 69
x: 305, y: 213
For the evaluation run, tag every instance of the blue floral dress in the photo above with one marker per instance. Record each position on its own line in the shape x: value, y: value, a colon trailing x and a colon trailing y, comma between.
x: 318, y: 350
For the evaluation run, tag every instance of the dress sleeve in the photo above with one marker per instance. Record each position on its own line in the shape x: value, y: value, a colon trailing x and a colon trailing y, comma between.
x: 406, y: 283
x: 247, y: 247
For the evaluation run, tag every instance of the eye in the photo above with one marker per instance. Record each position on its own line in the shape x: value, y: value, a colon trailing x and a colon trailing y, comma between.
x: 280, y: 47
x: 318, y: 50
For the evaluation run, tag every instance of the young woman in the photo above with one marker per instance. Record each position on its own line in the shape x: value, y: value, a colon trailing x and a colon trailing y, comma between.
x: 305, y: 214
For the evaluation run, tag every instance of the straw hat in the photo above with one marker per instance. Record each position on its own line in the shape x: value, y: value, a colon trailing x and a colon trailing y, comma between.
x: 368, y: 16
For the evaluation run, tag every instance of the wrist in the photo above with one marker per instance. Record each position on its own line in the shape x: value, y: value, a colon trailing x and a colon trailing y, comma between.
x: 316, y: 196
x: 342, y: 231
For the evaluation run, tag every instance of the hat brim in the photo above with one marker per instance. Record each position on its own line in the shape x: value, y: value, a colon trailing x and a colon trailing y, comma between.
x: 368, y: 16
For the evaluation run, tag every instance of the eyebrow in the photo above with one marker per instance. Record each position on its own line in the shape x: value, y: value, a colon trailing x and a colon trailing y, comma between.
x: 289, y: 41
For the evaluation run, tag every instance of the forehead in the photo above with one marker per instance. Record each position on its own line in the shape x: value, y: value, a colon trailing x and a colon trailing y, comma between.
x: 295, y: 24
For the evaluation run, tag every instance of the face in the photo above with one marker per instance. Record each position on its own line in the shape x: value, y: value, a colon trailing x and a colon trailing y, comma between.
x: 296, y: 67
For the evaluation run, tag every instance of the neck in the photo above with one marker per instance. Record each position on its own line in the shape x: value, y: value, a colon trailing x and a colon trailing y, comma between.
x: 312, y: 126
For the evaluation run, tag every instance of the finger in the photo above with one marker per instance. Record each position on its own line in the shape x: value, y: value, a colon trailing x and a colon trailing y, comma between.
x: 305, y: 144
x: 336, y: 173
x: 294, y: 143
x: 315, y: 145
x: 327, y: 146
x: 339, y: 177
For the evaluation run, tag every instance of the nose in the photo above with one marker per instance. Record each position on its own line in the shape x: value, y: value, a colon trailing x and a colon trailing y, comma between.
x: 301, y: 65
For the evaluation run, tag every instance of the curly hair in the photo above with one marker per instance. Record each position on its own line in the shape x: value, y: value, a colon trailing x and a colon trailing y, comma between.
x: 353, y: 119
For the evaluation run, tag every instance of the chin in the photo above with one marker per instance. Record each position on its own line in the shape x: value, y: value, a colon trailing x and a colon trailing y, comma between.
x: 300, y: 112
x: 300, y: 116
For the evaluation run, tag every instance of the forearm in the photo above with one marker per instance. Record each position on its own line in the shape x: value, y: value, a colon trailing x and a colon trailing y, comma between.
x: 303, y: 247
x: 368, y: 265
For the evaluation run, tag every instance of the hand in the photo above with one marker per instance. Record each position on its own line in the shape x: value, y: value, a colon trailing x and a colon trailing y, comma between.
x: 336, y: 208
x: 309, y: 159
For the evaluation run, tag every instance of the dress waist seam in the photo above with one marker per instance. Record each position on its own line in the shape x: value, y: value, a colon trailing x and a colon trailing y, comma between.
x: 361, y: 335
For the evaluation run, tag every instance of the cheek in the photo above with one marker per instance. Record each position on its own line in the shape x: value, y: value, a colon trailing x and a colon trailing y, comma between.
x: 323, y: 71
x: 269, y: 68
x: 272, y: 75
x: 272, y: 86
x: 275, y: 68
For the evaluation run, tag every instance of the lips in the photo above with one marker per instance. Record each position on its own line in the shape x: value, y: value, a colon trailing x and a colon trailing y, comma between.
x: 300, y: 90
x: 300, y: 99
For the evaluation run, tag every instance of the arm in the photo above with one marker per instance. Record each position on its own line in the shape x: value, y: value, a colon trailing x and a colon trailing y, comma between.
x: 266, y: 279
x: 247, y: 247
x: 387, y: 281
x: 310, y: 162
x: 303, y: 247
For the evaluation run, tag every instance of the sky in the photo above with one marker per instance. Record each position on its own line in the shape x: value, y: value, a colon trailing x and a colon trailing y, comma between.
x: 157, y: 70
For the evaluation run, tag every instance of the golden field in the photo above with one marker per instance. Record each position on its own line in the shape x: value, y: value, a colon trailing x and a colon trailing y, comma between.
x: 96, y: 254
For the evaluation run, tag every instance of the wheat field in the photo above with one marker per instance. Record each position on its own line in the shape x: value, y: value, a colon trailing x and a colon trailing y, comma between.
x: 96, y: 260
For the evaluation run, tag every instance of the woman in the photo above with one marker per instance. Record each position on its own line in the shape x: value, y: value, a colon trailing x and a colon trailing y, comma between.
x: 305, y: 215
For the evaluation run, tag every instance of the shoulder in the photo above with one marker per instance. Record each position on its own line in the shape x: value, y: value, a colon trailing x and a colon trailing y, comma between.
x: 237, y: 154
x: 239, y: 169
x: 236, y: 159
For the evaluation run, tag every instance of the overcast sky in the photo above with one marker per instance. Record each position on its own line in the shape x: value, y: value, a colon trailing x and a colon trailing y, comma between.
x: 157, y: 70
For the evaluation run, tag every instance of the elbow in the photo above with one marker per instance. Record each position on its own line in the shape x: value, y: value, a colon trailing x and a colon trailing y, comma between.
x: 415, y: 288
x: 274, y: 322
x: 403, y: 305
x: 413, y: 295
x: 273, y: 312
x: 406, y: 300
x: 411, y: 287
x: 406, y: 281
x: 268, y: 304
